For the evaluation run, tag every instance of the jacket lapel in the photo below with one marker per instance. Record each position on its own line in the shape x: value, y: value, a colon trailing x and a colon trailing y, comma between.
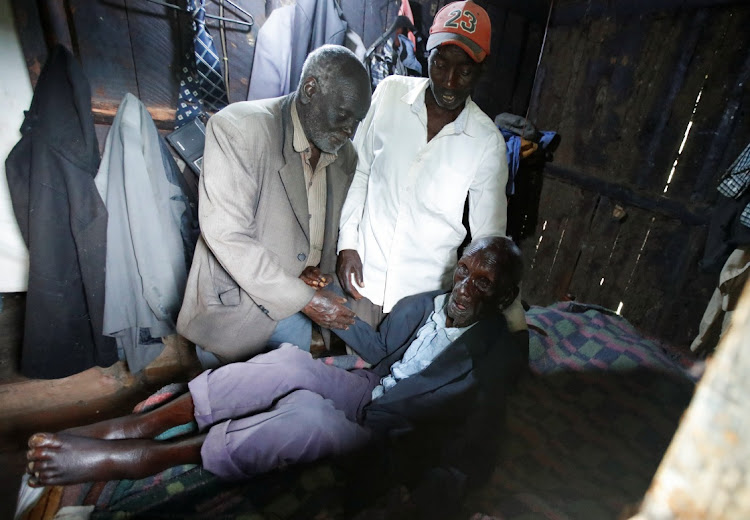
x: 453, y: 363
x: 292, y: 175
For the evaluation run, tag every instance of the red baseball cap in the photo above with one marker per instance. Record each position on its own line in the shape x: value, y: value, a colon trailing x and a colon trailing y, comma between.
x: 464, y: 24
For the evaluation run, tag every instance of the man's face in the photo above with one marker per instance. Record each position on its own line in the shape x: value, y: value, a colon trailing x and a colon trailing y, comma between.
x: 453, y: 75
x: 475, y: 288
x: 333, y: 116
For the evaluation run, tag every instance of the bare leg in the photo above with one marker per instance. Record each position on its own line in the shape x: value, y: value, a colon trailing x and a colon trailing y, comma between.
x: 62, y: 459
x: 146, y: 425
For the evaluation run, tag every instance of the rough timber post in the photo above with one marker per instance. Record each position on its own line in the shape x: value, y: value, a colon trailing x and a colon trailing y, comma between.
x: 705, y: 473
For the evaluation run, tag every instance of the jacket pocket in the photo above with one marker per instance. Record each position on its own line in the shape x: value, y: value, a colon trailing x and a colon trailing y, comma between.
x: 226, y: 288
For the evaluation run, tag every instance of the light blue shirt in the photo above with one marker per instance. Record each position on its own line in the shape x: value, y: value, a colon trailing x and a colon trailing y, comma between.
x: 432, y: 339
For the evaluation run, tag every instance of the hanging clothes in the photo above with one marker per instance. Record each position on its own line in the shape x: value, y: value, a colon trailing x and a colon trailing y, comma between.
x: 723, y: 302
x: 146, y: 257
x: 273, y: 56
x: 523, y: 139
x: 281, y: 48
x: 730, y: 220
x: 64, y: 224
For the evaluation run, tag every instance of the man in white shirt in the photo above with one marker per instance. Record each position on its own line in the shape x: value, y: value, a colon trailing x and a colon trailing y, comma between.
x: 423, y: 147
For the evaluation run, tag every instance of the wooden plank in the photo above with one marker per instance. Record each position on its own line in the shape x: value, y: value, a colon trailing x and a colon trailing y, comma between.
x: 532, y: 46
x: 714, y: 75
x: 594, y: 274
x: 155, y: 52
x: 586, y: 251
x: 101, y: 33
x: 485, y: 91
x: 31, y: 36
x: 564, y: 210
x: 660, y: 144
x: 711, y: 160
x: 506, y: 65
x: 658, y: 204
x: 689, y: 290
x: 573, y: 12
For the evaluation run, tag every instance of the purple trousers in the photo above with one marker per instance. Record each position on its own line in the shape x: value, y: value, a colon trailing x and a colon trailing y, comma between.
x: 277, y: 409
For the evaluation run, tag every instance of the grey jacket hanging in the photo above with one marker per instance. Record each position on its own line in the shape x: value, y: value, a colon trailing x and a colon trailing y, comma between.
x: 146, y: 261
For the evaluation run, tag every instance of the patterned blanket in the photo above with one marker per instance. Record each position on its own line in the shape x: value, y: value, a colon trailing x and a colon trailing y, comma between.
x: 586, y: 430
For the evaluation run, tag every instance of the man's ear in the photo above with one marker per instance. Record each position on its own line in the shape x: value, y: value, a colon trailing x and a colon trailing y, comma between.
x: 507, y: 297
x: 309, y: 89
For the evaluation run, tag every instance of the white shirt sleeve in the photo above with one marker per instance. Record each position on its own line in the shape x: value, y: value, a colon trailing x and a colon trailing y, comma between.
x: 354, y: 205
x: 488, y: 205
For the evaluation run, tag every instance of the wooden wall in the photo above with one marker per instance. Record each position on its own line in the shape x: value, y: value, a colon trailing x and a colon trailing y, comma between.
x: 620, y: 86
x: 137, y: 46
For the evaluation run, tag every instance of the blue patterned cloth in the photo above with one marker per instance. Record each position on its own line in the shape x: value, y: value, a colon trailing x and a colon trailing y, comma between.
x: 202, y: 86
x: 736, y: 180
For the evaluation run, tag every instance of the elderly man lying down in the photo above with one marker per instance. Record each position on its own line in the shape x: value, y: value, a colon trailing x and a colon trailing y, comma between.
x: 436, y: 356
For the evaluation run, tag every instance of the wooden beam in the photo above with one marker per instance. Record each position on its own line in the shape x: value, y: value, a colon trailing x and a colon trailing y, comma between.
x: 671, y: 208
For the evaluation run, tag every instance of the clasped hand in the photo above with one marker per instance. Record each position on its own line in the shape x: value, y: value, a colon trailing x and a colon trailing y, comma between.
x: 326, y: 309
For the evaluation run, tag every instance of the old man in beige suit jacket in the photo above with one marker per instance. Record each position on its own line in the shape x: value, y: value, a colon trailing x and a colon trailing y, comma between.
x: 275, y: 176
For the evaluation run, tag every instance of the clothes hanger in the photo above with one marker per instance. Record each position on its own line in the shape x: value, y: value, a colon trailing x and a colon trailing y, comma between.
x: 249, y: 23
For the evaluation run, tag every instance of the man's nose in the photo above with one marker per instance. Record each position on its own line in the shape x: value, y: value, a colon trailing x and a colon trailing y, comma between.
x: 350, y: 128
x: 451, y: 79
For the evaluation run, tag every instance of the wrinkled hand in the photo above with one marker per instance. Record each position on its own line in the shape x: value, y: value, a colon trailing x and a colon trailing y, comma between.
x: 347, y: 264
x: 327, y: 310
x: 313, y: 277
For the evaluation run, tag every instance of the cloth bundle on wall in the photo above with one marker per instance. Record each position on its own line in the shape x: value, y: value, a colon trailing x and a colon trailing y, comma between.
x: 525, y: 179
x: 202, y: 86
x: 397, y: 55
x: 151, y: 235
x: 64, y: 224
x: 518, y: 133
x: 286, y: 38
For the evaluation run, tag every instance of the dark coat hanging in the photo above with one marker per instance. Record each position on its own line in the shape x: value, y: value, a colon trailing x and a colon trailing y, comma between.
x: 64, y: 223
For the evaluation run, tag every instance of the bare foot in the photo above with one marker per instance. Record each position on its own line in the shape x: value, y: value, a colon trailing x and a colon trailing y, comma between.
x: 61, y: 459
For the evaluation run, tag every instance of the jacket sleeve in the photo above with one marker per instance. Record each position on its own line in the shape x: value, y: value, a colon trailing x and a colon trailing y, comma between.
x: 387, y: 344
x: 229, y: 191
x: 488, y: 204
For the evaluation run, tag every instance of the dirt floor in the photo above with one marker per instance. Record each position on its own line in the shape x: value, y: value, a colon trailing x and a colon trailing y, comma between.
x: 28, y: 405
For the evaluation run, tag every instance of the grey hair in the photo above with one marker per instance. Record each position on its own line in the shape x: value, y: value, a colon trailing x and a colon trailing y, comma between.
x: 329, y: 63
x: 509, y: 258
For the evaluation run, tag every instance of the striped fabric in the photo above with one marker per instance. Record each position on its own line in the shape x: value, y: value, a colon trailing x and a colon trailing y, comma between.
x: 736, y: 180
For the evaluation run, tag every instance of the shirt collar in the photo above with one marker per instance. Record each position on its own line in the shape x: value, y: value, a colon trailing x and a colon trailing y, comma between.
x: 415, y: 98
x: 299, y: 140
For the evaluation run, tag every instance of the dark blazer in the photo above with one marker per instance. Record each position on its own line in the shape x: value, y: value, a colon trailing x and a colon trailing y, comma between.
x: 255, y: 229
x: 63, y: 221
x: 474, y: 371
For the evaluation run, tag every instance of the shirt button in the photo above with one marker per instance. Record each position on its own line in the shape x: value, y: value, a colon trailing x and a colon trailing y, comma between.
x: 301, y: 257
